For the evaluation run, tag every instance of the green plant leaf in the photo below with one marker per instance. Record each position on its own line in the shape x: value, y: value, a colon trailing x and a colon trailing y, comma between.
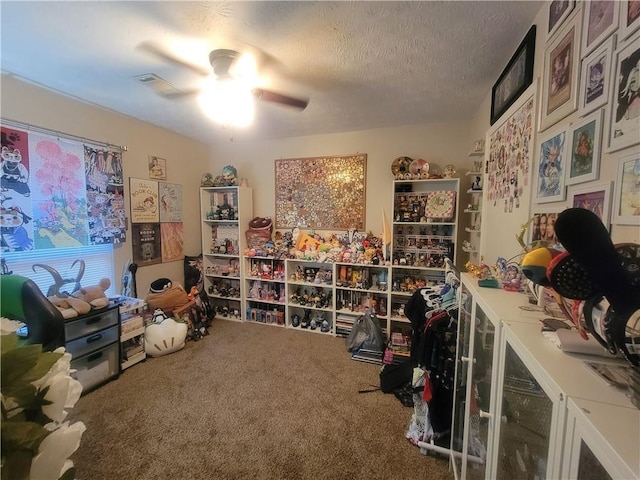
x: 16, y: 363
x: 16, y: 466
x: 8, y: 342
x: 22, y: 436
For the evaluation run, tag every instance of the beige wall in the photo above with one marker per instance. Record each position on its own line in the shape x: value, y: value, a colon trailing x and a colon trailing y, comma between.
x: 186, y: 158
x: 439, y: 144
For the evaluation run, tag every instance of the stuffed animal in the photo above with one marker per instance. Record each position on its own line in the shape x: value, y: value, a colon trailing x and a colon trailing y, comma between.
x: 82, y: 301
x: 164, y: 335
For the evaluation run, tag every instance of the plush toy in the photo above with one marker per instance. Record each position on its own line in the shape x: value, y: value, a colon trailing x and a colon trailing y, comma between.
x: 82, y: 301
x: 164, y: 335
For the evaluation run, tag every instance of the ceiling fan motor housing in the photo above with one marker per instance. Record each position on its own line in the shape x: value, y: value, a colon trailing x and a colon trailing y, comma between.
x: 221, y: 61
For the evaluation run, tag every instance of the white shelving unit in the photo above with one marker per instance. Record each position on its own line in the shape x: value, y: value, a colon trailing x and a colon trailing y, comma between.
x: 132, y: 312
x: 474, y: 208
x: 265, y: 290
x: 421, y: 239
x: 225, y: 212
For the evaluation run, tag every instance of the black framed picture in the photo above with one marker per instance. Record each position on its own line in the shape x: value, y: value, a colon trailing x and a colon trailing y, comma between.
x: 515, y: 78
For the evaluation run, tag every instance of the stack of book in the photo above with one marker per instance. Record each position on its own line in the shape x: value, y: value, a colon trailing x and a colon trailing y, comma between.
x: 400, y: 344
x: 368, y: 356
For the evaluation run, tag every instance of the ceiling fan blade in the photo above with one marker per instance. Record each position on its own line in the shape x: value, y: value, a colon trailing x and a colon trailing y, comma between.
x: 274, y: 97
x: 163, y: 54
x: 179, y: 94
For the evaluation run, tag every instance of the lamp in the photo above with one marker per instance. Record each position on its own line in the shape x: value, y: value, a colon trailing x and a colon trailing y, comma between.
x: 227, y: 101
x: 227, y: 96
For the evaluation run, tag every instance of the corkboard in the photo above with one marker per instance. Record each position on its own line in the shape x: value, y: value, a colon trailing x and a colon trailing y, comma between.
x: 323, y: 193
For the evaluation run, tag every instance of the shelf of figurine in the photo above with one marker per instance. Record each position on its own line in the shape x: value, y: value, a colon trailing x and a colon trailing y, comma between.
x: 472, y: 208
x: 267, y: 269
x: 307, y: 274
x: 312, y: 321
x: 261, y: 312
x: 223, y: 206
x: 266, y: 291
x: 224, y: 247
x: 405, y: 281
x: 223, y: 289
x: 311, y: 297
x: 361, y: 277
x: 468, y: 247
x: 352, y: 302
x: 222, y: 267
x: 396, y: 313
x: 228, y: 311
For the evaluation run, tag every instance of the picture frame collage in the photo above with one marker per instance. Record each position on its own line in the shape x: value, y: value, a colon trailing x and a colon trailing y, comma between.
x: 591, y: 70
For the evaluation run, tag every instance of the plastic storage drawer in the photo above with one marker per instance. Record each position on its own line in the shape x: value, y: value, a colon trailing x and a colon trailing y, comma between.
x: 91, y: 323
x: 95, y: 341
x: 97, y: 367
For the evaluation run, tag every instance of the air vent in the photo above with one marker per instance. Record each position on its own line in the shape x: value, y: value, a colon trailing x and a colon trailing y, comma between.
x: 160, y: 85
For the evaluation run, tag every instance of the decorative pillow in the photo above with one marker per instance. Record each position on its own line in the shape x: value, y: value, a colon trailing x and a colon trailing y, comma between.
x: 165, y: 337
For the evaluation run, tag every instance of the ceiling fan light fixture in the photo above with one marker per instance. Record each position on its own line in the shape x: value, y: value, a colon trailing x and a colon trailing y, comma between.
x: 227, y: 102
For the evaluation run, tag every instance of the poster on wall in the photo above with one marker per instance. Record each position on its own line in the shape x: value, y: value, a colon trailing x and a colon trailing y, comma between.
x: 16, y: 225
x: 326, y: 193
x: 507, y: 188
x: 58, y: 192
x: 170, y: 195
x: 105, y: 201
x: 172, y: 241
x: 144, y: 201
x: 510, y: 156
x: 146, y: 240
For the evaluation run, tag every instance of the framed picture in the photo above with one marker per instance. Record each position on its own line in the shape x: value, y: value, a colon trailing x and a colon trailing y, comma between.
x: 323, y: 193
x: 561, y: 72
x: 585, y: 138
x: 600, y: 21
x: 629, y: 18
x: 595, y: 197
x: 625, y: 106
x: 552, y: 161
x: 543, y: 226
x: 596, y: 77
x: 627, y: 196
x: 157, y: 168
x: 515, y: 78
x: 559, y: 10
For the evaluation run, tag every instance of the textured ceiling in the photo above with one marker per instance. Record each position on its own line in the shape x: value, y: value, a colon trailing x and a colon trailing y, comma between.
x: 362, y: 65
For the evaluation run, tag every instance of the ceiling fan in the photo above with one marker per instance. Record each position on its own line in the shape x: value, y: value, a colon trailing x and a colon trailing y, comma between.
x: 230, y: 66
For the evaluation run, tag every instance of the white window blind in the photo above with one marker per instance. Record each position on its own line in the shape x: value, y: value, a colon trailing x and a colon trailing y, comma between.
x: 98, y: 260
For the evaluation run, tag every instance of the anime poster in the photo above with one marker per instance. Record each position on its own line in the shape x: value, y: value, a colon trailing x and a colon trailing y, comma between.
x: 16, y: 211
x: 105, y: 203
x: 172, y: 241
x: 170, y: 203
x: 551, y: 169
x: 144, y: 201
x: 58, y: 192
x: 146, y: 243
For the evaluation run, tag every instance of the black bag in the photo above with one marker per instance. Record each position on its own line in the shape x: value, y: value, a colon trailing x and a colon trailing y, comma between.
x: 395, y: 375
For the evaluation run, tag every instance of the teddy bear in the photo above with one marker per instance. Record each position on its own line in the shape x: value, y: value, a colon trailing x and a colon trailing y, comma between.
x: 83, y: 300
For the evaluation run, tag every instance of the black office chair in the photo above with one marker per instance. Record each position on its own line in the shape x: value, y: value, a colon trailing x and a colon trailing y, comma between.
x: 21, y: 299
